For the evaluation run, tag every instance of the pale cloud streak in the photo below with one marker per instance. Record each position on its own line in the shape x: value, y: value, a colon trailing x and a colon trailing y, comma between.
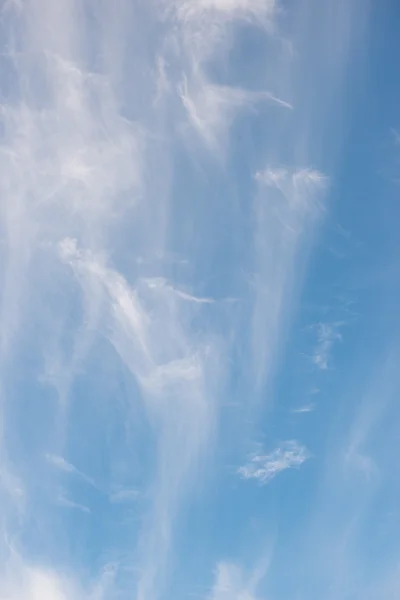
x: 148, y: 327
x: 68, y: 503
x: 327, y: 335
x: 28, y: 582
x: 204, y: 35
x: 307, y: 408
x: 64, y: 466
x: 34, y: 584
x: 211, y: 108
x: 103, y: 101
x: 287, y: 208
x: 124, y: 496
x: 233, y: 583
x: 60, y: 463
x: 354, y: 477
x: 264, y: 467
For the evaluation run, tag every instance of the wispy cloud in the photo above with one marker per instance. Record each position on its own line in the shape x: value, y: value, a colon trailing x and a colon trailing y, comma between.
x: 229, y: 584
x: 228, y: 9
x: 211, y: 108
x: 10, y: 484
x: 24, y: 580
x: 33, y: 584
x: 286, y: 209
x: 124, y: 496
x: 67, y: 503
x: 149, y: 328
x: 264, y: 467
x: 125, y: 215
x: 63, y: 465
x: 327, y: 335
x: 203, y: 35
x: 234, y: 582
x: 154, y: 283
x: 307, y: 408
x: 60, y: 463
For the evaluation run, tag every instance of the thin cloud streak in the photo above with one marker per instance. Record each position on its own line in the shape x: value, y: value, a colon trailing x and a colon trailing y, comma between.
x: 233, y: 582
x: 286, y: 209
x: 204, y: 35
x: 64, y: 466
x: 264, y: 467
x: 102, y: 103
x: 307, y: 408
x: 60, y: 463
x: 124, y: 496
x: 211, y: 109
x: 327, y: 335
x: 170, y: 369
x: 67, y: 503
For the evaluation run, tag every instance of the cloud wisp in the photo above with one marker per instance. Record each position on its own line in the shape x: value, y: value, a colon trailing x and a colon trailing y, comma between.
x: 232, y: 582
x: 327, y: 335
x: 58, y: 462
x: 173, y: 373
x: 265, y: 467
x: 287, y: 208
x: 307, y: 408
x: 131, y: 213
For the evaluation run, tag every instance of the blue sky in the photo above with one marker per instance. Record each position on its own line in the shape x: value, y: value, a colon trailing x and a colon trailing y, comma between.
x: 199, y: 275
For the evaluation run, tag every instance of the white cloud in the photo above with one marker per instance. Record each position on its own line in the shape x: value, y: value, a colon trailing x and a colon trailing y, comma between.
x: 382, y: 384
x: 233, y: 583
x: 72, y: 165
x: 124, y: 496
x: 149, y: 327
x: 27, y: 581
x: 67, y: 503
x: 10, y: 484
x: 159, y: 282
x: 263, y: 468
x: 307, y: 408
x: 227, y: 9
x: 211, y: 108
x: 327, y: 335
x: 204, y: 34
x: 38, y: 585
x: 20, y: 581
x: 92, y: 111
x: 63, y: 465
x: 353, y: 480
x: 286, y: 211
x: 60, y: 463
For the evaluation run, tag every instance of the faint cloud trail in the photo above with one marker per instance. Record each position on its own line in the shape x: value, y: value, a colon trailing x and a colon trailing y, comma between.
x: 101, y: 106
x: 264, y: 467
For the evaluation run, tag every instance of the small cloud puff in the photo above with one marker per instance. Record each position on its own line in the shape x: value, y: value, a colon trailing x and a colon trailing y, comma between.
x: 265, y: 467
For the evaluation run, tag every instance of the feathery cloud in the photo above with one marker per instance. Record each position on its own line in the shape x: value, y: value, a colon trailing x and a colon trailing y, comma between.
x: 67, y: 503
x: 64, y: 466
x: 327, y: 335
x: 149, y: 328
x: 116, y: 207
x: 307, y: 408
x: 234, y: 583
x: 124, y: 496
x: 60, y: 463
x: 263, y: 468
x: 286, y: 209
